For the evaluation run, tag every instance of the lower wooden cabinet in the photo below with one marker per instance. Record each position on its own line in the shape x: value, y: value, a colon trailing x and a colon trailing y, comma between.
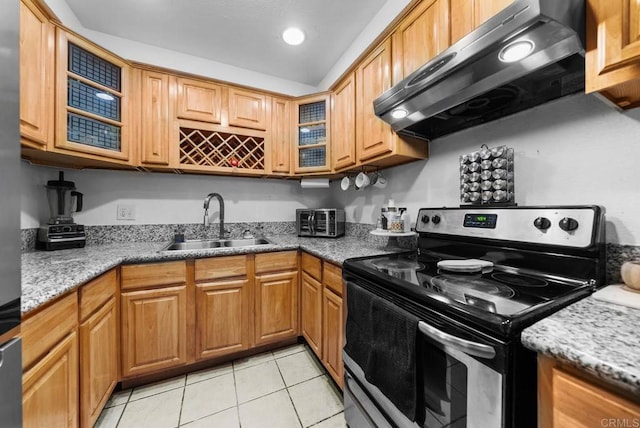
x: 50, y: 388
x: 568, y: 399
x: 332, y: 333
x: 311, y: 312
x: 154, y: 330
x: 222, y: 312
x: 276, y: 307
x: 99, y: 361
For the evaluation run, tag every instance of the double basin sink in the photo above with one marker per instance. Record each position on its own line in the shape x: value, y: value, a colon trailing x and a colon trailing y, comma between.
x: 214, y: 243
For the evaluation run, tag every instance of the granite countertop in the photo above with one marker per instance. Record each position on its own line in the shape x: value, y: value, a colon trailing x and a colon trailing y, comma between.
x: 598, y: 337
x: 49, y: 274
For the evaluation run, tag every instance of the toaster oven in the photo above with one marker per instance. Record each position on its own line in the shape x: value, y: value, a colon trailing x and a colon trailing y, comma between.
x: 323, y: 222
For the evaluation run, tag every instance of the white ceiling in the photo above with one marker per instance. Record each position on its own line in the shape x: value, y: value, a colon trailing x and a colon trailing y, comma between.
x: 242, y: 33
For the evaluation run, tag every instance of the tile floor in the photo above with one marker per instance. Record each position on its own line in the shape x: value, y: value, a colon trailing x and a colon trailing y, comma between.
x: 284, y: 388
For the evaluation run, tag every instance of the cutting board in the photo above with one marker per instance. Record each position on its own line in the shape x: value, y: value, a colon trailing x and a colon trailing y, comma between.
x: 619, y: 295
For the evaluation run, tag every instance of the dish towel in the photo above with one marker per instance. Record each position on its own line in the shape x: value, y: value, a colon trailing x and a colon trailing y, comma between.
x: 381, y: 339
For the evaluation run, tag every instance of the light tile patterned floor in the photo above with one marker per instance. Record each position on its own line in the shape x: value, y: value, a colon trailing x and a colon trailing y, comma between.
x: 284, y: 388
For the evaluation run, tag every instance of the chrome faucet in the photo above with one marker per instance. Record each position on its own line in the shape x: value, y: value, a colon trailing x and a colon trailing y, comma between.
x: 206, y: 211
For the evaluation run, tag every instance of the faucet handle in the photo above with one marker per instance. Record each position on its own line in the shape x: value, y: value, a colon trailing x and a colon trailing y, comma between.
x: 247, y: 234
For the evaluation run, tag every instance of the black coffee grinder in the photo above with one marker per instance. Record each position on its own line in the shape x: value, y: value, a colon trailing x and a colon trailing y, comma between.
x: 61, y: 232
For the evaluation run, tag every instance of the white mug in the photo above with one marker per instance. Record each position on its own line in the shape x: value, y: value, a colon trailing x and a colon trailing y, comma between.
x: 362, y: 180
x: 379, y: 181
x: 345, y: 183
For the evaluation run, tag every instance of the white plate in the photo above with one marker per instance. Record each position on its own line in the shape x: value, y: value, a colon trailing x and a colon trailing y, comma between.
x: 466, y: 266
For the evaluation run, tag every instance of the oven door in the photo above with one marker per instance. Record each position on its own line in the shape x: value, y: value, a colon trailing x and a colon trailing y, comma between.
x: 461, y: 380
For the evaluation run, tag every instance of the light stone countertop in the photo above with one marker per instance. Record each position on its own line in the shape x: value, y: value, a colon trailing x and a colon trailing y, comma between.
x: 49, y: 274
x: 598, y: 337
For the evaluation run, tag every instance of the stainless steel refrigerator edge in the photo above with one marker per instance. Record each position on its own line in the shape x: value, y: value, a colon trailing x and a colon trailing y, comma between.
x: 10, y: 287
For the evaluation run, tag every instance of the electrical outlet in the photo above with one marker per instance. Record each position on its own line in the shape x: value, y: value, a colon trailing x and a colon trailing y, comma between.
x: 126, y: 212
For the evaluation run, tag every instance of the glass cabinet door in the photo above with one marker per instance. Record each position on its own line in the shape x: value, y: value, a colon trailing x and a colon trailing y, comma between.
x: 312, y: 134
x: 93, y: 104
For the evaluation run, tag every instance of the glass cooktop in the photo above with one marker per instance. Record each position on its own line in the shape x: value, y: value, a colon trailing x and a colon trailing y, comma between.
x: 503, y: 290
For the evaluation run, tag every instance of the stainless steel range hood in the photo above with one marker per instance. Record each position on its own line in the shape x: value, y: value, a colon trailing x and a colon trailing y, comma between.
x: 477, y: 79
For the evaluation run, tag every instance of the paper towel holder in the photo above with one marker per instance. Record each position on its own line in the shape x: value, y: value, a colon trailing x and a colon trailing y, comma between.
x: 314, y: 183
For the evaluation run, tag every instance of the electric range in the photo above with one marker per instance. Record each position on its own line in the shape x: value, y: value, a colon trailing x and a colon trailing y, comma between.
x: 479, y: 276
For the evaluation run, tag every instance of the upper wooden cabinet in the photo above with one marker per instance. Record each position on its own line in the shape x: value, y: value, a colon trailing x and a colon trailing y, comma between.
x: 613, y: 50
x: 37, y: 51
x: 343, y: 128
x: 92, y: 100
x: 466, y: 15
x: 199, y: 100
x: 280, y: 135
x: 155, y: 117
x: 247, y: 109
x: 422, y: 35
x: 312, y: 131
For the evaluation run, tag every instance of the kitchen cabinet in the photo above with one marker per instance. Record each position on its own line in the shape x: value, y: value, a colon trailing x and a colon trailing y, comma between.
x: 422, y: 35
x: 199, y: 100
x: 311, y: 310
x: 37, y: 55
x: 155, y: 118
x: 613, y: 51
x: 247, y: 109
x: 312, y: 131
x: 154, y: 317
x: 276, y: 297
x: 50, y: 365
x: 99, y: 345
x: 92, y: 100
x: 343, y: 130
x: 568, y: 398
x: 223, y: 305
x: 333, y: 319
x: 280, y: 135
x: 376, y: 143
x: 467, y: 15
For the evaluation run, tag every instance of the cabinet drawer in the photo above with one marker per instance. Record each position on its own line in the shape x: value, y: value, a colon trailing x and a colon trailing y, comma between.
x: 153, y: 274
x: 332, y: 275
x: 95, y: 293
x: 221, y: 267
x: 312, y: 266
x: 45, y: 329
x: 273, y: 262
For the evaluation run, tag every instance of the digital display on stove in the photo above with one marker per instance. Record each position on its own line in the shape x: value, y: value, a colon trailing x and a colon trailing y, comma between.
x: 482, y: 221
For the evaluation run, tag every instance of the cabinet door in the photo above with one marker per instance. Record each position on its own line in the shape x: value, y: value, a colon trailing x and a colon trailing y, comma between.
x: 332, y: 331
x: 276, y: 307
x: 198, y: 100
x: 373, y: 136
x: 247, y: 109
x: 36, y: 75
x: 485, y: 9
x: 222, y: 312
x: 99, y: 362
x: 311, y: 312
x: 50, y: 388
x: 155, y: 117
x: 466, y: 15
x: 613, y: 50
x: 343, y: 129
x: 280, y: 139
x: 154, y: 330
x: 422, y: 35
x: 566, y: 400
x: 312, y: 132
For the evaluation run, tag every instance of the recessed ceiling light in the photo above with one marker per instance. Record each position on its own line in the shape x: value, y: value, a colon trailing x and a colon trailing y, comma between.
x: 516, y: 51
x: 399, y: 113
x: 105, y: 96
x: 293, y: 36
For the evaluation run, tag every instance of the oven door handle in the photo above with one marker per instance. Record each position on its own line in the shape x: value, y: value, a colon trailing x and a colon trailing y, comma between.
x: 466, y: 346
x: 312, y: 220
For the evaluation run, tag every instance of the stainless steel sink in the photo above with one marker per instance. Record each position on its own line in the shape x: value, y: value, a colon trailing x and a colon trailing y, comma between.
x: 214, y: 243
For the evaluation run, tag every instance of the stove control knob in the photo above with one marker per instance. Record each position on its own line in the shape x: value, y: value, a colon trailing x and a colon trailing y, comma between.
x: 542, y: 223
x: 425, y: 219
x: 435, y: 219
x: 568, y: 224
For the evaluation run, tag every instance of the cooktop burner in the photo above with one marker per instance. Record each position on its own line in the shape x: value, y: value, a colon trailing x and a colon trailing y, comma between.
x: 520, y: 280
x: 444, y: 283
x: 398, y: 264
